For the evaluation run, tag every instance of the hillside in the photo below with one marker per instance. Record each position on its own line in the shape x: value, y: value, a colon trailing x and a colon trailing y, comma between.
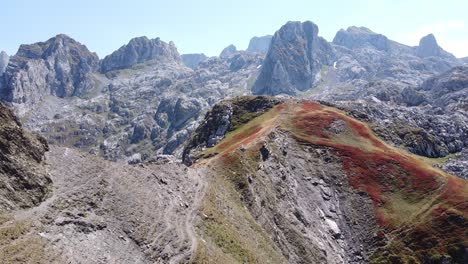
x: 270, y: 181
x: 315, y: 185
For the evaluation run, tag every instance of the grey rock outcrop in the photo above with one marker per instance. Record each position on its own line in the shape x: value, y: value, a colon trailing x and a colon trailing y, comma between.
x: 359, y: 37
x: 140, y: 50
x: 295, y: 58
x: 4, y: 59
x: 451, y: 81
x: 448, y: 90
x: 192, y: 60
x: 23, y: 179
x: 228, y: 52
x: 464, y: 60
x: 260, y: 44
x: 428, y: 47
x: 60, y: 66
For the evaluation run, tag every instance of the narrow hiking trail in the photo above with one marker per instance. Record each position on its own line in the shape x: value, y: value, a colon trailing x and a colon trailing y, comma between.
x: 107, y: 212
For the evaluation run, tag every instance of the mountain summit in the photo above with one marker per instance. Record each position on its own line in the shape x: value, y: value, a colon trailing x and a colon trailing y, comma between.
x: 295, y: 56
x: 358, y: 37
x: 61, y: 66
x: 140, y: 50
x: 428, y: 47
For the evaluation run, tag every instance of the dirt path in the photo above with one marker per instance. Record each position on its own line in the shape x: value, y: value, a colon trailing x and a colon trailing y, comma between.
x: 106, y: 212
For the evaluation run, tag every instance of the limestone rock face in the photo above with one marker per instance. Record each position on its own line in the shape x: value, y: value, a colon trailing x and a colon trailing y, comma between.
x: 428, y: 47
x: 4, y: 59
x: 357, y: 37
x: 296, y: 56
x: 451, y: 81
x: 60, y: 66
x: 23, y: 178
x: 260, y: 44
x: 228, y: 52
x: 140, y: 50
x: 192, y: 60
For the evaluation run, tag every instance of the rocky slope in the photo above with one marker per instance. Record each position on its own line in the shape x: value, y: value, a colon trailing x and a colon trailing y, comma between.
x: 104, y: 212
x: 301, y: 63
x: 296, y: 55
x: 284, y: 182
x: 23, y: 178
x: 60, y: 67
x: 139, y: 50
x: 326, y: 190
x: 260, y: 44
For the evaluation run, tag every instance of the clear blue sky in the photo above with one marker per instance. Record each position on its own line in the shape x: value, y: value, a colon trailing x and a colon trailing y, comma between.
x: 210, y: 25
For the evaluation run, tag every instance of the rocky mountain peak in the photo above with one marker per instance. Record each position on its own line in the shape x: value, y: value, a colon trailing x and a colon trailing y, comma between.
x: 228, y: 51
x: 61, y: 45
x: 295, y: 57
x: 360, y: 37
x: 428, y: 47
x: 260, y: 44
x: 4, y: 59
x: 140, y: 50
x: 61, y: 66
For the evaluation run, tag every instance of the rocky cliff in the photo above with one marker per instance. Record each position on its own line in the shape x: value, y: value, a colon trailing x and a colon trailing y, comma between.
x: 282, y: 181
x: 228, y: 52
x: 140, y: 50
x: 4, y: 59
x: 260, y: 44
x: 60, y: 67
x: 295, y: 58
x: 428, y: 47
x: 24, y: 181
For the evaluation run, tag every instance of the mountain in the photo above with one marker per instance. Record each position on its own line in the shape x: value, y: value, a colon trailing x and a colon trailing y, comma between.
x: 228, y: 51
x: 192, y: 60
x: 60, y: 67
x: 362, y: 157
x: 296, y: 55
x: 359, y: 37
x: 271, y: 181
x: 144, y: 110
x: 260, y: 44
x: 428, y: 47
x: 139, y: 50
x: 152, y: 107
x: 24, y: 181
x: 336, y: 191
x: 4, y: 59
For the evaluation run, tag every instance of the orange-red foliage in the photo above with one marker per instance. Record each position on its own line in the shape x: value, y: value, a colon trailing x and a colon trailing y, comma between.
x: 240, y: 139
